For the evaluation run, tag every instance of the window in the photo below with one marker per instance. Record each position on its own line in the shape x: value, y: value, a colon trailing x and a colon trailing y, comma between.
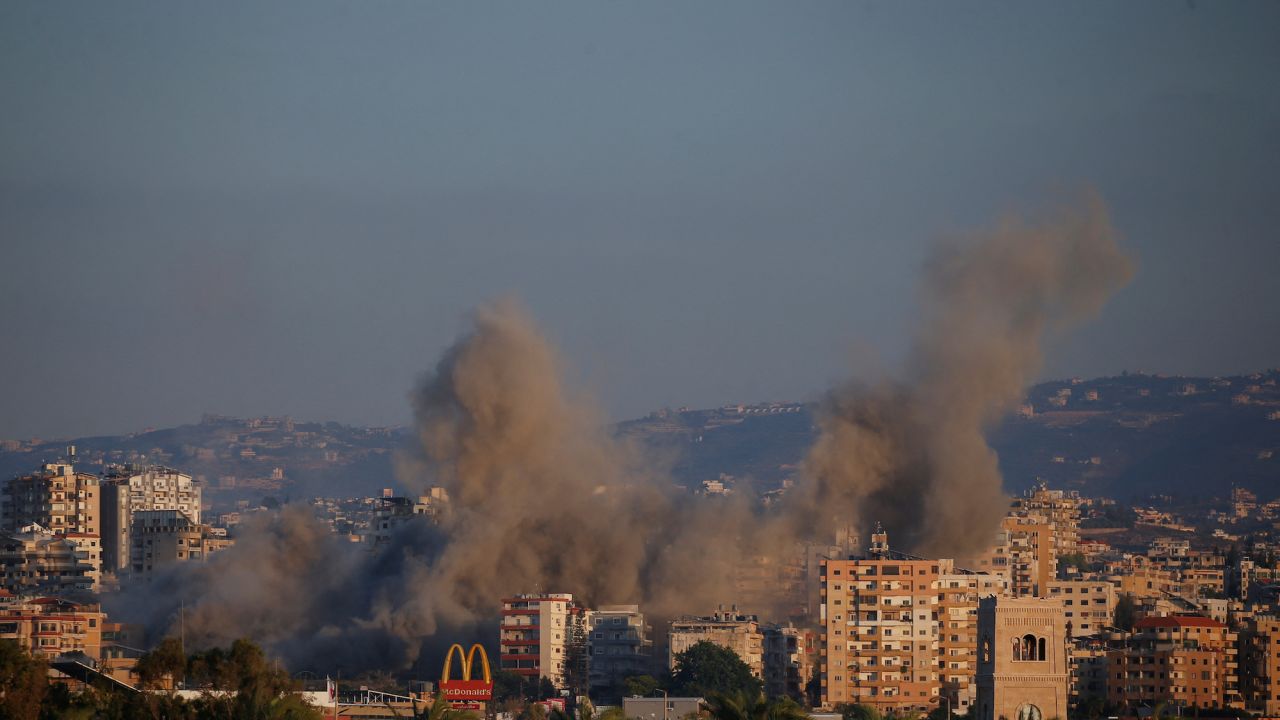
x: 1028, y: 648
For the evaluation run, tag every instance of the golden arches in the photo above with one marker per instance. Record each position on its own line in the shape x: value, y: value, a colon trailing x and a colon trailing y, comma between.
x: 467, y: 660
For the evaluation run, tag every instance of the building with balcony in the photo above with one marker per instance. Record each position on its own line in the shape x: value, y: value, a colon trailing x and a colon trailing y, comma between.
x: 51, y: 627
x: 159, y: 538
x: 1185, y: 661
x: 35, y: 560
x: 1260, y: 657
x: 1089, y: 605
x: 879, y: 618
x: 790, y: 658
x: 620, y: 646
x: 56, y: 498
x: 130, y: 489
x: 538, y: 633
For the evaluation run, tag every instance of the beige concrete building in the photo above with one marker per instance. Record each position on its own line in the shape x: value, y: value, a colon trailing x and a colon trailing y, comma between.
x: 790, y: 655
x: 620, y: 647
x: 57, y: 498
x: 958, y: 593
x: 1024, y: 553
x: 35, y: 560
x: 131, y: 489
x: 880, y: 631
x: 726, y: 628
x: 1260, y: 658
x: 161, y: 537
x: 1060, y: 508
x: 52, y: 626
x: 1022, y: 659
x: 1088, y: 604
x: 1187, y: 661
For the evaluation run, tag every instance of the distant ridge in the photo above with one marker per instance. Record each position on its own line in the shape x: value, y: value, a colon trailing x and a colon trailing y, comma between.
x: 1126, y: 436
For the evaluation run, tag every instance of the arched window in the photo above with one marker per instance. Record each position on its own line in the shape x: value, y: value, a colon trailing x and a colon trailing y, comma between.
x: 1029, y: 648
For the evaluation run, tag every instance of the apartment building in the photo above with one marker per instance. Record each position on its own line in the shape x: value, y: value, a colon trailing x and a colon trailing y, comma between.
x: 1260, y: 662
x: 1060, y: 508
x: 35, y: 560
x: 790, y: 656
x: 130, y: 489
x: 620, y: 645
x: 1089, y: 605
x: 1186, y: 661
x: 51, y: 626
x: 880, y: 630
x: 161, y: 537
x: 538, y: 633
x: 958, y: 593
x: 56, y: 498
x: 726, y: 628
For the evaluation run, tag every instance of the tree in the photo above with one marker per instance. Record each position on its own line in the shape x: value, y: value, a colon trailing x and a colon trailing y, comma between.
x: 1125, y: 612
x: 852, y: 711
x: 442, y: 710
x: 740, y: 706
x: 166, y: 660
x: 23, y: 682
x: 1093, y: 707
x: 641, y: 685
x: 707, y: 668
x: 507, y: 685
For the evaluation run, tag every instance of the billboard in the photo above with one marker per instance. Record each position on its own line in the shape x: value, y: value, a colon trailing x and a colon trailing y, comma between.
x: 467, y: 690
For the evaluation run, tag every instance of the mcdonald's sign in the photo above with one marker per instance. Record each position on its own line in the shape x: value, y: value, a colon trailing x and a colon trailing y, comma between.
x: 466, y: 690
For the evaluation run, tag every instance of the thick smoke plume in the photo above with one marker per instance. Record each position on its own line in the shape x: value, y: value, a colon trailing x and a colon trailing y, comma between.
x: 912, y: 453
x: 542, y: 497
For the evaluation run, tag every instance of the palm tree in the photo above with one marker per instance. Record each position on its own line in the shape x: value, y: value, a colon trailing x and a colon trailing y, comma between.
x: 738, y: 706
x: 442, y: 710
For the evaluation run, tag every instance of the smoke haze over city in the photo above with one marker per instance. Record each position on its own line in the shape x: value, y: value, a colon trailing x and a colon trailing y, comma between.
x: 542, y: 495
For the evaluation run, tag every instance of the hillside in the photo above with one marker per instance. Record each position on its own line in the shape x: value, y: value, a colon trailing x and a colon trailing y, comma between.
x: 1124, y: 437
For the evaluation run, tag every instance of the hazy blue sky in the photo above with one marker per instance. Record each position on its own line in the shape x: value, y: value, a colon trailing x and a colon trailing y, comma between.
x: 290, y: 207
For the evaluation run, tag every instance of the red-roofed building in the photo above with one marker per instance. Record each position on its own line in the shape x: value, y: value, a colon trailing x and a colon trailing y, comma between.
x: 1181, y: 660
x: 53, y: 626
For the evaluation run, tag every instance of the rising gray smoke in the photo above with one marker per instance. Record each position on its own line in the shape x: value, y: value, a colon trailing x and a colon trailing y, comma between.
x: 542, y: 497
x: 912, y: 453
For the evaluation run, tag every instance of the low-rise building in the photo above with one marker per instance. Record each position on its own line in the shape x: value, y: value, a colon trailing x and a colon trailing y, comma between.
x: 52, y: 626
x: 726, y: 628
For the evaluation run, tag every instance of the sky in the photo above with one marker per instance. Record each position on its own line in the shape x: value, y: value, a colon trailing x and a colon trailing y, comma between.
x: 293, y: 207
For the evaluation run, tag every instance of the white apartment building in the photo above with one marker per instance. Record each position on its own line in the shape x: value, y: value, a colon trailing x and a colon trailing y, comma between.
x: 537, y: 632
x: 133, y: 489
